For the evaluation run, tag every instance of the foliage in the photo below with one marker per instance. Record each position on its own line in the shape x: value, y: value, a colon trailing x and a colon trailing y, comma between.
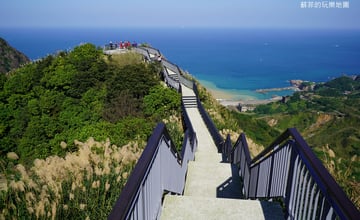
x: 72, y: 96
x: 126, y: 88
x: 305, y: 111
x: 158, y: 104
x: 161, y: 100
x: 343, y: 84
x: 256, y: 129
x: 327, y: 116
x: 49, y: 108
x: 175, y: 129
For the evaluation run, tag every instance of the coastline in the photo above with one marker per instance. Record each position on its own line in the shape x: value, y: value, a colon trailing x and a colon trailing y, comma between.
x: 239, y: 97
x: 227, y: 94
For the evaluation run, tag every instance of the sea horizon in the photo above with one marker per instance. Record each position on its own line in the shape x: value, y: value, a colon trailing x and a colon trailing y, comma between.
x: 234, y: 62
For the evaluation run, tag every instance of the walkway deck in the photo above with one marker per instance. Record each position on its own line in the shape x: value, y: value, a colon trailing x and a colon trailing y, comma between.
x: 200, y: 179
x: 211, y: 191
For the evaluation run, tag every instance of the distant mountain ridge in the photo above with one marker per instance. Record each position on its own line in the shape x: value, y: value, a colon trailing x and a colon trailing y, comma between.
x: 10, y: 58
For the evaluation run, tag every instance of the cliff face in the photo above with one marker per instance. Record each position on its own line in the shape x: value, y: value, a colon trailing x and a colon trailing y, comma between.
x: 10, y: 58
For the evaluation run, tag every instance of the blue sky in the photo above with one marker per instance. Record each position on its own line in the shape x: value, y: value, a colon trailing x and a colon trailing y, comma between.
x: 176, y: 13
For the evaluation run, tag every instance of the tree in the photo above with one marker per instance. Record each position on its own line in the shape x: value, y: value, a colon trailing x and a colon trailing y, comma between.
x: 138, y: 79
x: 161, y: 100
x: 83, y: 57
x: 3, y: 80
x: 121, y: 106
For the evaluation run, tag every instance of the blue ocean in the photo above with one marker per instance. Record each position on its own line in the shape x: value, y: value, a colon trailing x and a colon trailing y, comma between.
x: 237, y: 61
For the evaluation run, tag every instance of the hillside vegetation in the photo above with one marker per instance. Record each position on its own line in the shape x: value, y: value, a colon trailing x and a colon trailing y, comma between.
x: 328, y: 117
x: 258, y: 132
x: 72, y: 126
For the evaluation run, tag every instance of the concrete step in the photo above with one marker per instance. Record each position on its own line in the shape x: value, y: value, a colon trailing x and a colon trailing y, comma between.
x: 211, y: 180
x: 187, y: 207
x: 187, y: 91
x: 190, y: 101
x: 208, y: 156
x: 174, y: 77
x: 173, y: 74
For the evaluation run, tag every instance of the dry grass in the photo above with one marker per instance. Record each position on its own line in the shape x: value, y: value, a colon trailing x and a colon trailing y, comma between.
x: 82, y: 184
x: 335, y: 165
x: 124, y: 59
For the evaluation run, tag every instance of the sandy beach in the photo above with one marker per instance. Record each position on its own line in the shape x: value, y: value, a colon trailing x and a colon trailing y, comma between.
x: 234, y: 98
x: 248, y: 102
x: 220, y: 95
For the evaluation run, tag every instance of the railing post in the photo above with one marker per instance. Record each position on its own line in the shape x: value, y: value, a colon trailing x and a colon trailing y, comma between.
x: 270, y: 175
x: 226, y: 149
x: 290, y: 184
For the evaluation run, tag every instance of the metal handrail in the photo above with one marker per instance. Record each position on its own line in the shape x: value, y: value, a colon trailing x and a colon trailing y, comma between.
x: 153, y: 53
x: 170, y: 81
x: 142, y: 51
x: 289, y: 169
x: 125, y: 205
x: 171, y: 65
x: 346, y: 209
x: 152, y: 50
x: 187, y: 124
x: 186, y: 82
x: 130, y: 190
x: 218, y: 140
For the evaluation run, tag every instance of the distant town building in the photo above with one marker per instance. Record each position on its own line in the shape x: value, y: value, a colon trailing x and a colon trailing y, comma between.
x: 246, y: 108
x: 285, y: 99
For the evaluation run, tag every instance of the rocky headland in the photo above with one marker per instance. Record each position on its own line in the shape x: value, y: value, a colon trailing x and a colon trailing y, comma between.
x: 10, y: 58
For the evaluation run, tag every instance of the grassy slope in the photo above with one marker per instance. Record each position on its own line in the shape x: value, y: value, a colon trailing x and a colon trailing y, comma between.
x: 330, y: 125
x: 329, y: 121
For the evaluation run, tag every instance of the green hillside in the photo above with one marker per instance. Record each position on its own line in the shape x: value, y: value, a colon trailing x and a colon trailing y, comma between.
x: 329, y: 119
x: 71, y: 128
